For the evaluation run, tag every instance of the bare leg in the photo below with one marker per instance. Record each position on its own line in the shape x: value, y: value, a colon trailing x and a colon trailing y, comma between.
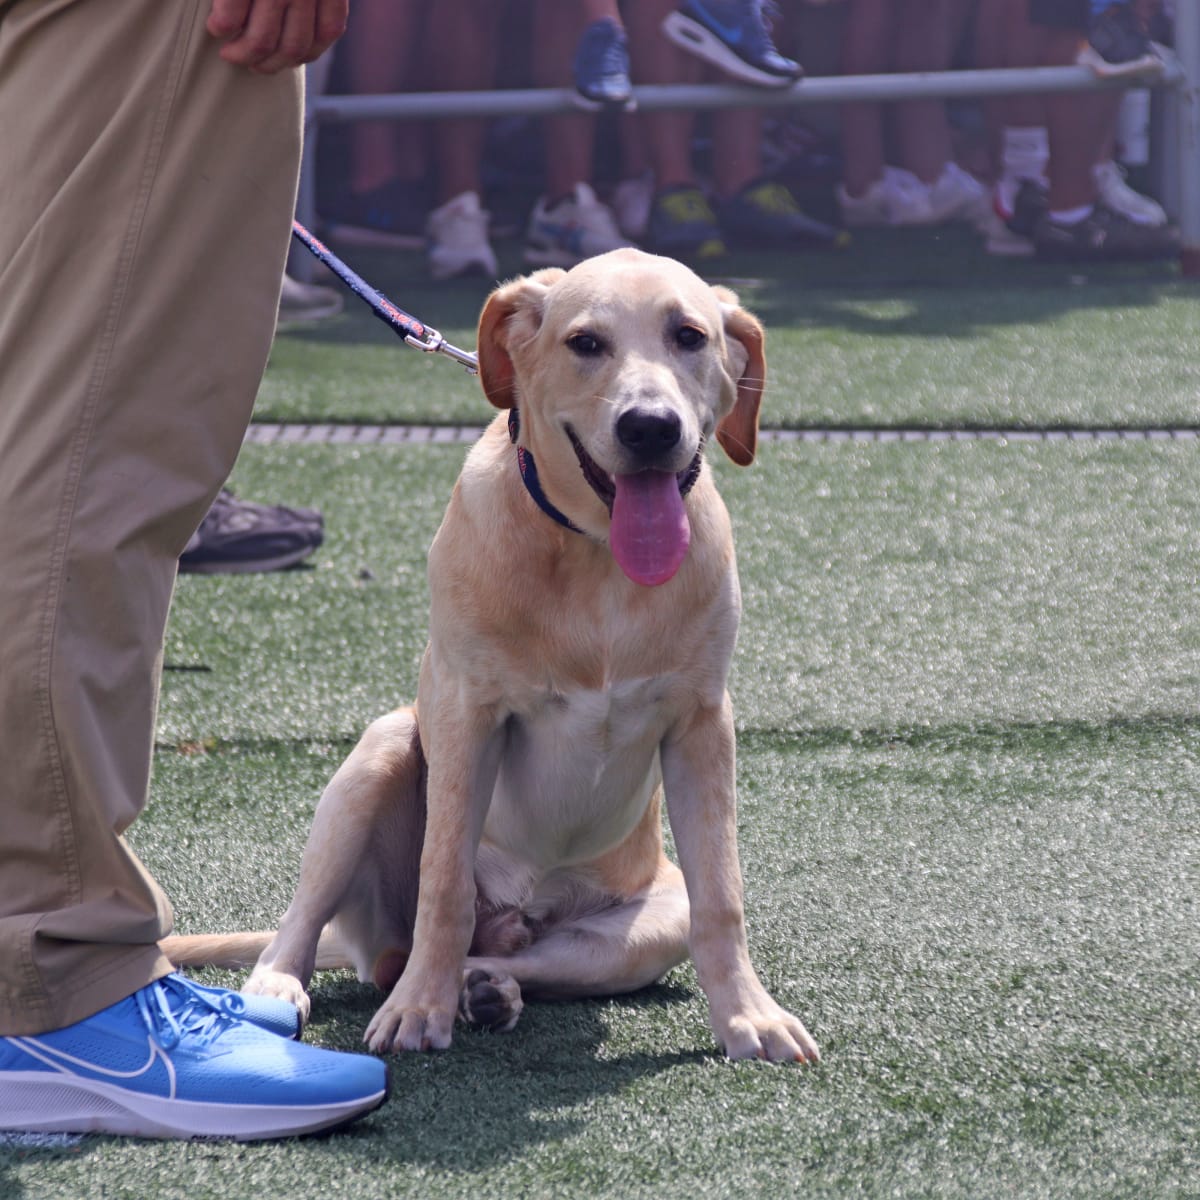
x: 569, y: 139
x: 865, y: 51
x: 379, y: 50
x: 656, y: 60
x: 460, y: 53
x: 925, y: 38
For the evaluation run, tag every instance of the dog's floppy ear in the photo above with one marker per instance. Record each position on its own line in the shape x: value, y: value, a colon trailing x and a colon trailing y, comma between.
x: 738, y: 430
x: 513, y: 311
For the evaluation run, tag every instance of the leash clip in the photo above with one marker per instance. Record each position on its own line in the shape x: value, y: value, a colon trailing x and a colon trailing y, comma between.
x: 434, y: 343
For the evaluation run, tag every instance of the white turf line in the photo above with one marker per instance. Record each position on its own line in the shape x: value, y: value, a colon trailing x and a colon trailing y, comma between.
x: 264, y: 433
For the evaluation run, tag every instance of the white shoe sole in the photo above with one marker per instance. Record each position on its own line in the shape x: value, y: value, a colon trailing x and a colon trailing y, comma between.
x: 550, y: 256
x: 690, y: 36
x: 35, y: 1102
x: 441, y: 269
x: 371, y: 239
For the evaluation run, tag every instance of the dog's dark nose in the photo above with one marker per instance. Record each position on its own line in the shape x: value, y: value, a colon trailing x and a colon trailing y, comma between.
x: 648, y: 434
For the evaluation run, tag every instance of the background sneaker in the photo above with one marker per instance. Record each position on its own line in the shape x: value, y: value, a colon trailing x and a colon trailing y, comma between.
x: 390, y: 216
x: 576, y: 227
x: 897, y: 198
x: 683, y: 225
x: 1000, y: 241
x: 601, y: 67
x: 631, y: 202
x: 1114, y: 193
x: 458, y: 239
x: 765, y: 213
x: 1118, y: 43
x: 956, y: 195
x: 300, y: 303
x: 1028, y: 204
x: 238, y: 536
x: 1103, y: 236
x: 170, y: 1062
x: 732, y: 35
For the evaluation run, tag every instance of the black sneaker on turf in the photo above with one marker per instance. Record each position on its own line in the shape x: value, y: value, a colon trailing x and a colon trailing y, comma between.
x: 683, y: 225
x: 239, y: 536
x: 1103, y: 236
x: 734, y: 36
x: 765, y: 214
x: 1029, y: 206
x: 601, y: 67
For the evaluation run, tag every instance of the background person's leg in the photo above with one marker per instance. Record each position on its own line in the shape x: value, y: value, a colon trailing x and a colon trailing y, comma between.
x: 146, y: 192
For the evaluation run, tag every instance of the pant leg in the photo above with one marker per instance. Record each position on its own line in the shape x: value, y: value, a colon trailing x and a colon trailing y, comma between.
x: 146, y: 194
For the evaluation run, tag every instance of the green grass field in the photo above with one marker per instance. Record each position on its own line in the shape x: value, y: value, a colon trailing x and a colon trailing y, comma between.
x: 968, y: 702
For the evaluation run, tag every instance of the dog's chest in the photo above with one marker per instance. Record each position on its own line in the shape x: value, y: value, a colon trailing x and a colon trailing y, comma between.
x: 578, y: 769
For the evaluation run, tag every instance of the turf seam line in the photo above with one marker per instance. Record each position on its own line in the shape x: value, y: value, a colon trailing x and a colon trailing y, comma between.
x: 299, y: 433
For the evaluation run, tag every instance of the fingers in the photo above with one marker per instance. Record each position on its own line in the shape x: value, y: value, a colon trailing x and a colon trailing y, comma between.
x: 267, y: 36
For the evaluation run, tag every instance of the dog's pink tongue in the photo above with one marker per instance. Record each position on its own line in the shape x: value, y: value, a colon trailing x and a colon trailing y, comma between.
x: 649, y: 534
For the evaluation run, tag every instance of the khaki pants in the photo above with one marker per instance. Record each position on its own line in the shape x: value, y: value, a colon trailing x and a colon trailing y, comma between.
x: 146, y: 193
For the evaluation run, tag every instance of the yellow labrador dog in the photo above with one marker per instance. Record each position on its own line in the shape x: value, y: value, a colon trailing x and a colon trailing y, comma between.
x: 504, y: 835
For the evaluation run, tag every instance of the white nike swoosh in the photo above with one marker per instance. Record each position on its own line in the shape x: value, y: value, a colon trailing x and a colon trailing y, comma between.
x: 67, y: 1063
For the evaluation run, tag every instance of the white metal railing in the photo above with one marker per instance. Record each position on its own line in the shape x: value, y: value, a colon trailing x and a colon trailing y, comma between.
x: 1181, y: 81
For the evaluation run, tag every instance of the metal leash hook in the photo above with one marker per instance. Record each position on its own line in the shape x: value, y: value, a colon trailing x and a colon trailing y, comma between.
x: 434, y: 343
x: 414, y: 333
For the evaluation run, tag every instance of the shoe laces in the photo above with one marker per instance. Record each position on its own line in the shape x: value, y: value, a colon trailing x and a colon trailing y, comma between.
x: 173, y: 1011
x: 602, y: 50
x: 755, y: 17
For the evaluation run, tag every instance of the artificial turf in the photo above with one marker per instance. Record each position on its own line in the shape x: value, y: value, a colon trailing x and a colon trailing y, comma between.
x: 927, y: 333
x: 968, y: 702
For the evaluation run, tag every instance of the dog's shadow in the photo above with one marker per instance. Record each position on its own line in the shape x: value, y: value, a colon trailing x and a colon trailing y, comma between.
x: 491, y: 1094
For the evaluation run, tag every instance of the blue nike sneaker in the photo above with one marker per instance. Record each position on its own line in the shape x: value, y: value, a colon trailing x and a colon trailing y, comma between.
x: 733, y: 35
x: 171, y: 1061
x: 601, y: 68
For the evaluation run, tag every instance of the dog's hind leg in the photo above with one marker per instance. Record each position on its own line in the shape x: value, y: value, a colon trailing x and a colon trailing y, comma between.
x: 360, y: 866
x: 620, y: 948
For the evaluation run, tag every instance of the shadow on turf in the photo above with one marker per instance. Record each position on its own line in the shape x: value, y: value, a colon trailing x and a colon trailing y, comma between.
x: 491, y: 1095
x: 478, y: 1104
x: 810, y: 287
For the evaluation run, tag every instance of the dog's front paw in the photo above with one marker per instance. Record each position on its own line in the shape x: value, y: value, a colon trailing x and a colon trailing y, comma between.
x: 492, y: 1001
x: 764, y: 1030
x: 417, y: 1022
x: 265, y: 982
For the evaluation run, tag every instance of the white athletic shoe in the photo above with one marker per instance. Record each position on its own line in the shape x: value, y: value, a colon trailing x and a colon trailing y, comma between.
x: 898, y: 198
x: 1001, y: 241
x: 300, y: 303
x: 457, y: 235
x: 956, y: 195
x: 1114, y: 193
x: 575, y: 228
x: 632, y: 201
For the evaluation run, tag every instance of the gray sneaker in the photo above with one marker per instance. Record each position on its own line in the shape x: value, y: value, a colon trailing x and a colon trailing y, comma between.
x: 239, y: 536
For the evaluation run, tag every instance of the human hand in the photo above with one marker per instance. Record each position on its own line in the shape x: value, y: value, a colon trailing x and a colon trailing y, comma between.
x: 271, y: 35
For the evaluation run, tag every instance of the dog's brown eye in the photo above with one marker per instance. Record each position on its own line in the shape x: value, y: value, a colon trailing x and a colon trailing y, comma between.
x: 585, y: 344
x: 690, y: 338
